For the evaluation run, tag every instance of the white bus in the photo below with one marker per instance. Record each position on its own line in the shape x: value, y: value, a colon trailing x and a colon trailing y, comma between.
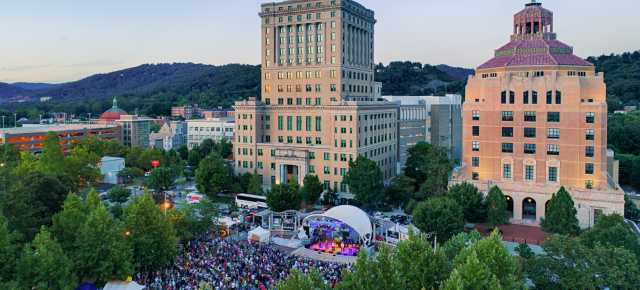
x: 251, y: 201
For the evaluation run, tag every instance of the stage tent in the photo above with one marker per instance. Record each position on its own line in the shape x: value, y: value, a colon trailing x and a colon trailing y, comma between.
x: 259, y: 235
x: 122, y: 285
x: 352, y: 216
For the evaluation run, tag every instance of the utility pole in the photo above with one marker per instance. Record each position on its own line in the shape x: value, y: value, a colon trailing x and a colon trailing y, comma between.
x: 2, y: 121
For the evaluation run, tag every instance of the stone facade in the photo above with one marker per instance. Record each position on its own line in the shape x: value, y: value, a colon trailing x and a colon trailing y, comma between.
x: 535, y: 119
x: 318, y: 109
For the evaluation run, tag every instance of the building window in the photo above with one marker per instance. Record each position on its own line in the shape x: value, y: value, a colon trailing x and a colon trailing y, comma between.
x: 590, y: 118
x: 553, y: 133
x: 558, y: 97
x: 529, y: 172
x: 475, y: 115
x: 280, y: 122
x: 525, y: 98
x: 475, y: 145
x: 507, y: 116
x: 503, y: 97
x: 475, y: 161
x: 529, y: 132
x: 326, y: 156
x: 529, y: 148
x: 553, y: 149
x: 507, y: 147
x: 512, y: 97
x: 534, y: 97
x: 506, y: 171
x: 507, y: 131
x: 549, y: 97
x: 588, y: 168
x: 529, y: 116
x: 553, y: 174
x: 318, y: 124
x: 475, y: 130
x: 553, y: 117
x: 588, y: 151
x: 289, y: 123
x: 475, y: 176
x: 589, y: 134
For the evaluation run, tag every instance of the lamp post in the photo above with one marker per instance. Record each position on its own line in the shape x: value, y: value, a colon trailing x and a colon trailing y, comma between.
x: 2, y: 121
x: 435, y: 239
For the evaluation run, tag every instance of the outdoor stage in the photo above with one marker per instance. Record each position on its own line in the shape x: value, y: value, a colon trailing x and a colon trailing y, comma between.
x: 311, y: 254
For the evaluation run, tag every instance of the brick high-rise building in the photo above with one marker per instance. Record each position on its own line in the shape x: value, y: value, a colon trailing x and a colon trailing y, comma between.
x: 318, y: 109
x: 535, y: 119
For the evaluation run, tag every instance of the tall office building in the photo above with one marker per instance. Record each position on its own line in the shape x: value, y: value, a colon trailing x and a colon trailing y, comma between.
x: 535, y: 119
x: 318, y: 109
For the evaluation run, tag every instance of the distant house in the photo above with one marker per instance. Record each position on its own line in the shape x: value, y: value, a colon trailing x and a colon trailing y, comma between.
x: 110, y: 167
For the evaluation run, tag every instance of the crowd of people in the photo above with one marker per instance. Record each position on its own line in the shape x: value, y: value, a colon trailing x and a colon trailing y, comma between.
x: 230, y: 264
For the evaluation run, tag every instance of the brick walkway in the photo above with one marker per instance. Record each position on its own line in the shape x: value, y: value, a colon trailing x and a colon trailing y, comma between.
x: 518, y: 233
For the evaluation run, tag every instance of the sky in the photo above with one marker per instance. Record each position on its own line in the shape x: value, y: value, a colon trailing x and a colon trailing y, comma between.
x: 66, y: 40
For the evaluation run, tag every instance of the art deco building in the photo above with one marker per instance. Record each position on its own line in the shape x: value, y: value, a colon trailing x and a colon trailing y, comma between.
x: 535, y: 119
x: 318, y: 109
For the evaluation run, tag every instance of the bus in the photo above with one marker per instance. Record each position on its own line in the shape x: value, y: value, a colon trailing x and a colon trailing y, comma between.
x: 251, y: 201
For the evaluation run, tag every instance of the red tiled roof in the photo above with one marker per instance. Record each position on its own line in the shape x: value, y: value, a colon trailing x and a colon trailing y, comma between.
x: 532, y: 52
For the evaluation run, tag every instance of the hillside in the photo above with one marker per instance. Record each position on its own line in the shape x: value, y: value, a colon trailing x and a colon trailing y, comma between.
x: 10, y: 91
x: 413, y: 79
x: 622, y: 76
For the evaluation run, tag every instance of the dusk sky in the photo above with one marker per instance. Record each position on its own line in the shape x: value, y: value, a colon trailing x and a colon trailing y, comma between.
x: 66, y: 40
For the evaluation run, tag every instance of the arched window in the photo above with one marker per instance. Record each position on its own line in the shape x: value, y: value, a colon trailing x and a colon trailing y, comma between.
x: 503, y: 97
x: 534, y: 97
x: 558, y: 97
x: 549, y: 97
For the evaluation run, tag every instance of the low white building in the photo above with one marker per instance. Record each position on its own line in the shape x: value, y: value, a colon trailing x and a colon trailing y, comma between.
x: 110, y: 167
x: 215, y: 129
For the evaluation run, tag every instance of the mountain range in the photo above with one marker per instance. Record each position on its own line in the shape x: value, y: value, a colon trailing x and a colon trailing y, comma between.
x: 154, y: 88
x: 150, y: 78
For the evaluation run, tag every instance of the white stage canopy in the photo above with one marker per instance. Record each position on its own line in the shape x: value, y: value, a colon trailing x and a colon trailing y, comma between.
x: 352, y: 216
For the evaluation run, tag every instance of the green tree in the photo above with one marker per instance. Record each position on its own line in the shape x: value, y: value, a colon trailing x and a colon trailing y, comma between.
x: 118, y: 194
x: 153, y: 237
x: 567, y: 264
x: 32, y: 201
x: 43, y: 265
x: 612, y: 231
x: 52, y: 158
x: 472, y: 275
x: 81, y: 167
x: 430, y: 167
x: 311, y: 190
x: 183, y: 151
x: 561, y: 215
x: 422, y: 267
x: 255, y: 185
x: 213, y: 176
x: 299, y: 281
x: 399, y: 192
x: 284, y: 196
x: 194, y: 157
x: 195, y: 219
x: 471, y: 200
x: 378, y: 272
x: 440, y: 215
x: 68, y: 222
x: 459, y: 242
x: 8, y: 252
x: 496, y: 207
x: 101, y: 251
x: 365, y: 180
x: 161, y: 179
x: 493, y: 254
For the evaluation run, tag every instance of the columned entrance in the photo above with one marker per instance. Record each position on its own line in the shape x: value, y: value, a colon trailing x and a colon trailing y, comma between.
x: 289, y: 172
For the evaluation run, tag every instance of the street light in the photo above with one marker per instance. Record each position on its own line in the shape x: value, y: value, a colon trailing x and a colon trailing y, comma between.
x: 166, y: 205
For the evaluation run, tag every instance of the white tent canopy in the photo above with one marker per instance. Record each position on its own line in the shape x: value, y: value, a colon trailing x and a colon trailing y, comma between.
x: 352, y: 216
x: 259, y: 235
x: 121, y: 285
